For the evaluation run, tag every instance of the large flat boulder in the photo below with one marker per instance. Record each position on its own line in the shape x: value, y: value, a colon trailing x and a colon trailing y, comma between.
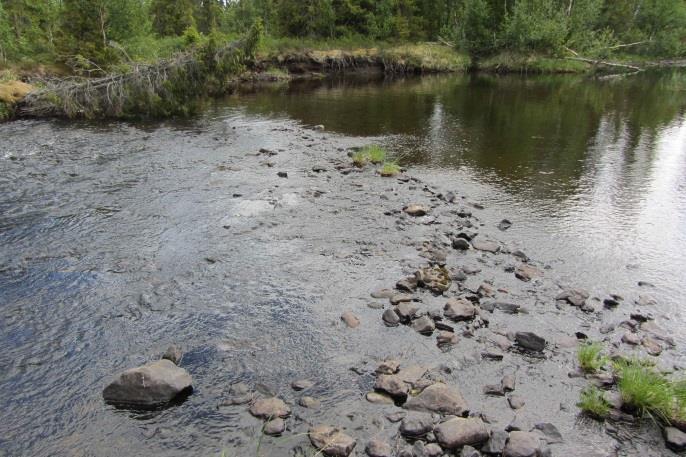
x: 150, y: 385
x: 439, y: 398
x: 459, y: 432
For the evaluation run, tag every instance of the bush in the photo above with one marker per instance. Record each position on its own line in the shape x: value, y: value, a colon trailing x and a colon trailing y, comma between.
x: 590, y: 357
x: 536, y: 25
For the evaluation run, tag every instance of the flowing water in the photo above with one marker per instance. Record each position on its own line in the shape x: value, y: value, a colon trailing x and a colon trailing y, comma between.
x: 119, y: 239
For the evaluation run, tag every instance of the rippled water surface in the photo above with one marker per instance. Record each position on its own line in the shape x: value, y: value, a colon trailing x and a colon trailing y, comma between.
x: 120, y: 239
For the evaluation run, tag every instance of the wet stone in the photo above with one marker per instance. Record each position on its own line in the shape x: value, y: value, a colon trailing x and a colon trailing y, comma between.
x: 375, y: 305
x: 350, y: 319
x: 526, y: 272
x: 530, y: 341
x: 269, y: 408
x: 388, y: 367
x: 504, y: 224
x: 461, y: 244
x: 331, y: 441
x: 496, y: 443
x: 150, y: 385
x: 550, y: 433
x: 439, y: 398
x: 406, y: 311
x: 458, y: 432
x: 423, y: 325
x: 415, y: 210
x: 469, y: 451
x: 675, y: 439
x: 508, y: 382
x: 383, y: 293
x: 407, y: 285
x: 396, y: 416
x: 651, y: 346
x: 301, y: 384
x: 416, y: 425
x: 274, y: 427
x: 391, y: 318
x: 486, y: 246
x: 379, y: 398
x: 494, y: 390
x: 432, y: 450
x: 575, y: 297
x: 516, y: 402
x: 378, y: 448
x: 522, y: 444
x: 445, y: 338
x: 400, y: 298
x: 459, y: 309
x: 631, y: 339
x: 393, y: 385
x: 309, y: 402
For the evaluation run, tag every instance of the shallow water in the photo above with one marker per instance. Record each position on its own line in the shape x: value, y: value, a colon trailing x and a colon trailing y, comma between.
x: 120, y: 239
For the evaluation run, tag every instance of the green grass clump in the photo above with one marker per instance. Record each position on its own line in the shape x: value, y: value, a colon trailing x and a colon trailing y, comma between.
x: 647, y: 392
x: 590, y: 357
x: 593, y: 403
x: 360, y: 159
x: 389, y: 169
x: 373, y: 153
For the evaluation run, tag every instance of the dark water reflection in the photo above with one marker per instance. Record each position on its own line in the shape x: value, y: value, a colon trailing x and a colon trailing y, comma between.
x: 597, y: 167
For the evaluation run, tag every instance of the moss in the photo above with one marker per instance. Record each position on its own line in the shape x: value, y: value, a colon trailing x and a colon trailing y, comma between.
x: 590, y: 357
x: 593, y: 403
x: 5, y: 112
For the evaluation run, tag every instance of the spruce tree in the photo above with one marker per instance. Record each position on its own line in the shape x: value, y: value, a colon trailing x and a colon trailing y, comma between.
x: 171, y: 17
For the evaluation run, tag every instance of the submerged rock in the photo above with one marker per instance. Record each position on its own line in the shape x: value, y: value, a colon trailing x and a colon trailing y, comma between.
x: 331, y: 441
x: 274, y: 427
x: 309, y: 402
x: 350, y: 319
x: 301, y: 384
x: 150, y: 385
x: 575, y: 297
x: 439, y: 398
x: 393, y: 385
x: 461, y: 244
x: 458, y: 432
x: 270, y: 408
x: 378, y: 448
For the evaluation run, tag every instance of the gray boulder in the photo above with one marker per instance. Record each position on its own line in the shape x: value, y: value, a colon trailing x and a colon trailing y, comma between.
x: 459, y: 432
x: 439, y: 398
x: 331, y: 441
x: 150, y: 385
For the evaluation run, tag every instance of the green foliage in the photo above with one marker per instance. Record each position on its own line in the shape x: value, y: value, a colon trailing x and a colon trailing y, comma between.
x: 537, y: 25
x: 360, y: 159
x: 5, y: 112
x: 593, y: 403
x: 477, y: 35
x: 645, y: 390
x: 172, y: 17
x: 375, y: 153
x: 6, y: 41
x: 590, y: 357
x: 389, y: 169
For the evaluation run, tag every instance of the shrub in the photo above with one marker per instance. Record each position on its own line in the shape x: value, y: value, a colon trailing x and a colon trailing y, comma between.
x: 645, y: 391
x: 389, y: 169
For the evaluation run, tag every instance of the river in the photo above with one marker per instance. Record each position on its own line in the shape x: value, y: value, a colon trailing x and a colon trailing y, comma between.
x: 119, y: 239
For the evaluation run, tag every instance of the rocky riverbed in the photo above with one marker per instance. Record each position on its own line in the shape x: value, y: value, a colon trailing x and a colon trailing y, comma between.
x: 319, y: 306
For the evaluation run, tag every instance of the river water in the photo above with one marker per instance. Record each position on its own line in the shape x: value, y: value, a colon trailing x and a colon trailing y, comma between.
x: 118, y: 239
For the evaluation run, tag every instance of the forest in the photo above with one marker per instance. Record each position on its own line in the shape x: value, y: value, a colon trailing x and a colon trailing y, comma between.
x: 95, y: 35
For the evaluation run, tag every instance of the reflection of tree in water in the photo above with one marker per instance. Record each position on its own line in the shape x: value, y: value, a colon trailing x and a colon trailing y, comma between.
x: 548, y: 131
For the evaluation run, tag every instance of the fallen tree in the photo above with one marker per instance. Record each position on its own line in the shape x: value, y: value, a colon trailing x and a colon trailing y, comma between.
x: 165, y: 88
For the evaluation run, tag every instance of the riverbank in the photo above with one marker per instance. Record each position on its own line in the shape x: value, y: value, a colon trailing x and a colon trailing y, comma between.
x: 245, y: 239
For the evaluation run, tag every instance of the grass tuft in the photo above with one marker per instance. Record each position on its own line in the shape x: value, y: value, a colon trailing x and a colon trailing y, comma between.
x: 369, y: 154
x: 375, y: 153
x: 389, y: 169
x: 593, y: 403
x: 647, y: 392
x: 590, y: 357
